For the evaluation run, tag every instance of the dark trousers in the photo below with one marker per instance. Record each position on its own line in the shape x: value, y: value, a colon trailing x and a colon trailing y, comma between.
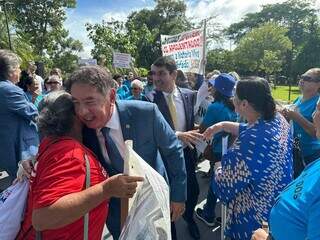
x: 192, y: 183
x: 113, y: 220
x: 210, y: 206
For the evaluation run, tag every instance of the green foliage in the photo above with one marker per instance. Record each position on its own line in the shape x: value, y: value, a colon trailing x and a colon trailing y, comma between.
x: 308, y: 56
x: 271, y: 62
x: 40, y: 24
x: 220, y: 59
x: 292, y: 14
x: 267, y: 43
x: 109, y: 37
x: 41, y: 21
x: 140, y: 34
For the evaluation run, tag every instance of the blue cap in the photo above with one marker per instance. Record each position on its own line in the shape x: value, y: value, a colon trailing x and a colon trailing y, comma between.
x: 224, y: 83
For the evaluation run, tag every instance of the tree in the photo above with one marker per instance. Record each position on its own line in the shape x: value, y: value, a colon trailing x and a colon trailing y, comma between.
x: 271, y: 62
x: 292, y: 14
x: 20, y: 45
x: 308, y: 56
x: 41, y: 21
x: 64, y: 52
x: 109, y: 37
x: 266, y: 43
x: 220, y: 59
x: 140, y: 34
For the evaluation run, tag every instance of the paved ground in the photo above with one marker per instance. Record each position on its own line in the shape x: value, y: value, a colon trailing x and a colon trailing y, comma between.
x: 206, y: 232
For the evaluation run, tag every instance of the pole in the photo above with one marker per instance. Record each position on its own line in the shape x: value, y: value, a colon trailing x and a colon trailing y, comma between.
x: 7, y: 24
x: 204, y: 60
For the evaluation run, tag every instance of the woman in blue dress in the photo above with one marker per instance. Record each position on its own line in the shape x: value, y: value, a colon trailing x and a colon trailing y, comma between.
x: 258, y: 165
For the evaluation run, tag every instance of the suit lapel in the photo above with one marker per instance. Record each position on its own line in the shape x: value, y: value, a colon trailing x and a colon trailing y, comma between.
x: 186, y: 104
x: 125, y: 116
x: 163, y: 107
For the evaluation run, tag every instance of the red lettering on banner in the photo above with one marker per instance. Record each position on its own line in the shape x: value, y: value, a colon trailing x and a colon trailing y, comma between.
x: 193, y: 43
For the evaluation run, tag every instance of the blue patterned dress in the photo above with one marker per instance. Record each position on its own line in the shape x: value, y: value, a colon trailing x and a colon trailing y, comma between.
x: 254, y: 171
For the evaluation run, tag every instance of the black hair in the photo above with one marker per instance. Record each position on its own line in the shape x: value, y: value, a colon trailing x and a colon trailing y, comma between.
x: 25, y: 80
x: 227, y: 101
x: 257, y: 92
x: 166, y: 62
x: 116, y: 76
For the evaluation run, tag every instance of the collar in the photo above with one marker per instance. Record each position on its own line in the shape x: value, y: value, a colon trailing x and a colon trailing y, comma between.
x: 114, y: 121
x: 175, y: 93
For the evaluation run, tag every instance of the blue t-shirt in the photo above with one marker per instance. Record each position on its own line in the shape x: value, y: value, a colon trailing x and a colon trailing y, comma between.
x: 218, y: 112
x: 296, y: 213
x: 123, y: 92
x: 309, y: 145
x: 255, y: 169
x: 127, y: 83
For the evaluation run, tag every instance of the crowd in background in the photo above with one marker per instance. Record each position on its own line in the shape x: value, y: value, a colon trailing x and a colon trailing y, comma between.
x: 270, y: 172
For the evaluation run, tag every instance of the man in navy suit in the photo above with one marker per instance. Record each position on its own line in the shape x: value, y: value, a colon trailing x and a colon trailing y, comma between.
x: 177, y: 106
x: 110, y: 123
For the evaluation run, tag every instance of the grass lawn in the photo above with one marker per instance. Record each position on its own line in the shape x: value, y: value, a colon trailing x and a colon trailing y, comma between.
x: 281, y: 93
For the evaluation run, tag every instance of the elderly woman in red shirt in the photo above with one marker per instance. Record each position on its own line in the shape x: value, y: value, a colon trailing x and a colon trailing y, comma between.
x: 58, y: 197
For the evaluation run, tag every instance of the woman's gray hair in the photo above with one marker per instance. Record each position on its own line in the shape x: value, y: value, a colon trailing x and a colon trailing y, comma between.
x: 9, y: 62
x: 56, y: 115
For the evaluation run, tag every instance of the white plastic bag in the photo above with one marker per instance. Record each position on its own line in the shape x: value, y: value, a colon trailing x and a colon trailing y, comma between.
x: 12, y: 206
x: 149, y: 209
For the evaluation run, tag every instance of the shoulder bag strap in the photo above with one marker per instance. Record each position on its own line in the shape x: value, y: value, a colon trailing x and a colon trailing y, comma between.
x: 86, y: 216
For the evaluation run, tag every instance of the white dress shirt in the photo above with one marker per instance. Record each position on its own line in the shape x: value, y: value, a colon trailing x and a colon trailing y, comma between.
x: 115, y: 134
x: 181, y: 115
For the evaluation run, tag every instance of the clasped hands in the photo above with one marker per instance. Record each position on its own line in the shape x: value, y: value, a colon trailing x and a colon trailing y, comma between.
x: 192, y: 137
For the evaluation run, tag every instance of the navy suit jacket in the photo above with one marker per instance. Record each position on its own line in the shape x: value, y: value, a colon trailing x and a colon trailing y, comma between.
x: 153, y: 139
x: 188, y: 98
x: 16, y: 133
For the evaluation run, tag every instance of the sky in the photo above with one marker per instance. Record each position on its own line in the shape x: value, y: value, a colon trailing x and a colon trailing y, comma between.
x: 94, y: 11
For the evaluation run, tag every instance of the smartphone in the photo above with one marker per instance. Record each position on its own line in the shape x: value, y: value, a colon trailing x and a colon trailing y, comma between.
x: 3, y: 174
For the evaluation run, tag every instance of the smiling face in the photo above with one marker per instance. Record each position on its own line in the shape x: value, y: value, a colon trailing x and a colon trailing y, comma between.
x: 163, y: 79
x: 92, y: 107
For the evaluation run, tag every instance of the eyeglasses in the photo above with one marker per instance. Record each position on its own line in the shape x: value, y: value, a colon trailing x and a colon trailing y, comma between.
x: 135, y: 88
x: 307, y: 78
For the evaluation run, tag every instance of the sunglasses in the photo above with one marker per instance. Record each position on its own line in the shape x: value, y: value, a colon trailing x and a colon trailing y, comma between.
x: 135, y: 88
x: 307, y: 78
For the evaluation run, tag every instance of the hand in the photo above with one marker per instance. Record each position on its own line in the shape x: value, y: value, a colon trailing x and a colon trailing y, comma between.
x: 122, y: 186
x: 190, y: 137
x: 211, y: 131
x: 259, y: 234
x: 177, y: 209
x: 24, y: 169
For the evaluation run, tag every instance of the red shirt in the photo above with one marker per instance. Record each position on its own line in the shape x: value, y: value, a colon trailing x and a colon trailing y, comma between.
x: 59, y: 171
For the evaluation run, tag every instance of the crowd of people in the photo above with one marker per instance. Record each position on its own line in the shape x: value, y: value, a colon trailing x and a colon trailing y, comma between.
x: 66, y: 136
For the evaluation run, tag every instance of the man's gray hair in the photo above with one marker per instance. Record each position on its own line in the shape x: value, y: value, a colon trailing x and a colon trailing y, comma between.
x: 9, y: 62
x: 95, y: 76
x: 57, y: 114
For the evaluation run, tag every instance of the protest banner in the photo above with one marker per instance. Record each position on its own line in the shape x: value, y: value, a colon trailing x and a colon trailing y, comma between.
x: 187, y: 49
x: 121, y: 60
x: 87, y: 62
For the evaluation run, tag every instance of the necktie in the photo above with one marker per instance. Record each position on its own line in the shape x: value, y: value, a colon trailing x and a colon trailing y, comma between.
x: 113, y: 152
x: 173, y: 110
